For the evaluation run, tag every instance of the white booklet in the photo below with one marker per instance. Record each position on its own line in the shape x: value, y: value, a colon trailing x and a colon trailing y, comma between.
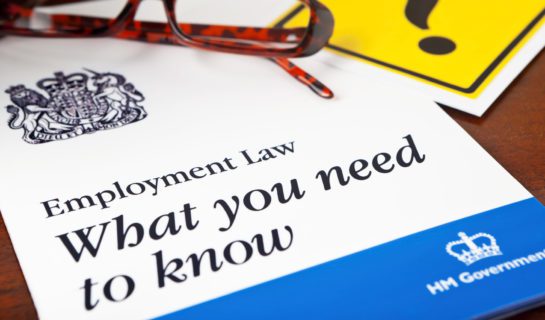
x: 138, y: 181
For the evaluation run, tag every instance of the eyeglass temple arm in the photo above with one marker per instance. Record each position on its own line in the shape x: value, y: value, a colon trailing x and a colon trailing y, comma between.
x: 282, y: 35
x: 304, y: 77
x: 297, y: 73
x: 155, y: 32
x: 33, y: 3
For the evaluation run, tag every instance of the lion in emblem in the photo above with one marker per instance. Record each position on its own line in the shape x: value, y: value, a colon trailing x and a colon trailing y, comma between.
x: 30, y: 113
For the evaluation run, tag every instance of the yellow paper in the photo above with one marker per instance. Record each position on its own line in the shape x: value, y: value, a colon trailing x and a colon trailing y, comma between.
x: 485, y: 33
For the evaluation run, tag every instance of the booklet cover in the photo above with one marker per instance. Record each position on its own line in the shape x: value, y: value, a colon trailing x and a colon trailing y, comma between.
x: 143, y: 181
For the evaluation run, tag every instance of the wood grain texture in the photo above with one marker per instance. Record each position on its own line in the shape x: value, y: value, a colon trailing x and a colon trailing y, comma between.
x: 512, y: 131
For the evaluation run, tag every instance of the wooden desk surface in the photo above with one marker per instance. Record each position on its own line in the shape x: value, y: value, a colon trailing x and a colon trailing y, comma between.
x: 512, y: 131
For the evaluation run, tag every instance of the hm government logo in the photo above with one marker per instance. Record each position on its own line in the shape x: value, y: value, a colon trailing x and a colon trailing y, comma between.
x: 76, y: 104
x: 472, y: 249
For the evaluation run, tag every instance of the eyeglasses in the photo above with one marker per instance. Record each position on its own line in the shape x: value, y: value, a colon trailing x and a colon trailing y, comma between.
x: 185, y: 26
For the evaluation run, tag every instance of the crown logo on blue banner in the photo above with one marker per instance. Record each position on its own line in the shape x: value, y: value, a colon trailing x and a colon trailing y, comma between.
x: 472, y: 249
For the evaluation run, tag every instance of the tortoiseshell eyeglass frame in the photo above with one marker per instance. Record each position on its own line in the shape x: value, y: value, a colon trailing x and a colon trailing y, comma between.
x: 230, y: 39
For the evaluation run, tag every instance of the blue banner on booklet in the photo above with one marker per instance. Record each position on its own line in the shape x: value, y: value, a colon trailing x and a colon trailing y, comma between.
x: 473, y: 267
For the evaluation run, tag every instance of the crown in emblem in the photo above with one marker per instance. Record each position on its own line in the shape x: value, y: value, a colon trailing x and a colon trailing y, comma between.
x: 471, y: 249
x: 15, y: 89
x: 61, y: 82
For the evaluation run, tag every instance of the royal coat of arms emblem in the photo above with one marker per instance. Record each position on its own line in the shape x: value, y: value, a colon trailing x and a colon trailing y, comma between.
x: 77, y: 104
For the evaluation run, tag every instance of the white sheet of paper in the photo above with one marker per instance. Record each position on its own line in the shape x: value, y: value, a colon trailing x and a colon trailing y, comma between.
x: 202, y: 108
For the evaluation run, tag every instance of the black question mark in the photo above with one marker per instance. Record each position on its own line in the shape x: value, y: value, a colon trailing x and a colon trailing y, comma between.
x: 418, y: 12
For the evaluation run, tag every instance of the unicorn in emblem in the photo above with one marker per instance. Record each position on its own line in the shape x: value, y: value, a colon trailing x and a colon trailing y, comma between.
x: 113, y: 90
